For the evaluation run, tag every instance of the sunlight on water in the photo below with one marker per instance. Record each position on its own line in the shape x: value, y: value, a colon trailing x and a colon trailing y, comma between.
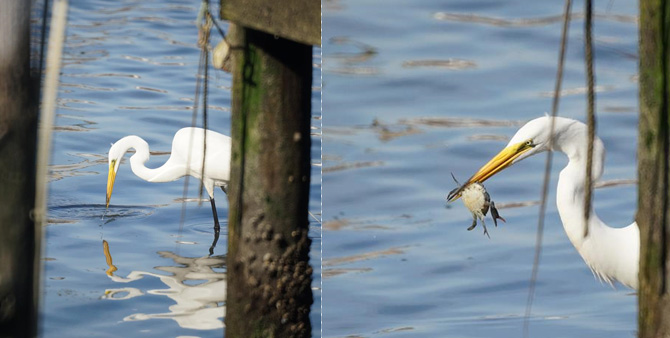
x: 416, y: 90
x: 130, y: 68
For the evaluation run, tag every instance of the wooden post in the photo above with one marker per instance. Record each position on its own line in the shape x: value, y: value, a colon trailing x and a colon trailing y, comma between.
x: 653, y: 155
x: 269, y: 276
x: 19, y: 280
x: 296, y: 20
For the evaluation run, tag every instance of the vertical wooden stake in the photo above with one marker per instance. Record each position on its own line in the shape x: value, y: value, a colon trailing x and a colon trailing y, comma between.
x: 18, y: 128
x: 269, y: 276
x: 653, y: 151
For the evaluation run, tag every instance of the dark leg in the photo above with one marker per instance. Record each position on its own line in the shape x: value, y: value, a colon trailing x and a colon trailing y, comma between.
x: 486, y: 231
x: 495, y: 215
x: 474, y: 223
x: 217, y: 227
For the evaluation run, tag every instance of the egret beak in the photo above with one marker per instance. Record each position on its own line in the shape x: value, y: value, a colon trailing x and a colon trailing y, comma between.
x: 499, y: 162
x: 110, y: 182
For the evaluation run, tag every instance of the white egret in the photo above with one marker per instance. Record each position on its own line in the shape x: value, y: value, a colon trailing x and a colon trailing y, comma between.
x: 185, y: 159
x: 611, y: 253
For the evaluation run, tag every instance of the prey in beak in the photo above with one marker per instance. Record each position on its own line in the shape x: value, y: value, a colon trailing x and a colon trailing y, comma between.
x: 499, y: 162
x: 478, y: 201
x: 111, y: 176
x: 475, y: 197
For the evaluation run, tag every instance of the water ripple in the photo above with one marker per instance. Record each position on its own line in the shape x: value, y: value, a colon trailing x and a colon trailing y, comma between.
x: 527, y: 22
x: 451, y: 64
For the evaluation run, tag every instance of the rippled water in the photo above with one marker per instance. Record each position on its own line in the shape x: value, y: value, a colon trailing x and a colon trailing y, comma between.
x: 416, y: 90
x: 130, y: 68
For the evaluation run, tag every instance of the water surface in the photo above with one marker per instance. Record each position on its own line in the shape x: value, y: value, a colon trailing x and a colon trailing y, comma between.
x: 130, y: 68
x: 416, y: 90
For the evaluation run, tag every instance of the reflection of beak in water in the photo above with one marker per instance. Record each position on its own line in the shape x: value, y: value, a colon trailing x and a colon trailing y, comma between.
x: 198, y: 290
x: 108, y: 257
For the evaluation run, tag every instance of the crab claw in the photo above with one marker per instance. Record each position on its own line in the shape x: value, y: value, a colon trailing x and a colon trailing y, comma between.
x: 495, y: 215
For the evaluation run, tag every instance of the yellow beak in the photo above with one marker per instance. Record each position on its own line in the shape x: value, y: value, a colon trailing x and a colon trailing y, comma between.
x: 499, y: 162
x: 110, y: 181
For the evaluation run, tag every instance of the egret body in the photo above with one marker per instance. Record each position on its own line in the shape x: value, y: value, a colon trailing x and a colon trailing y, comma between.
x: 185, y: 159
x: 611, y: 253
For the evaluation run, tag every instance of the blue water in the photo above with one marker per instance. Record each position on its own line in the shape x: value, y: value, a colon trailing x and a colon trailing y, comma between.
x: 129, y: 68
x: 416, y: 90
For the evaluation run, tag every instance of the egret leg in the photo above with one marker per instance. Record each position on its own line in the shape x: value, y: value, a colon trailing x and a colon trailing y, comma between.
x: 216, y: 239
x: 217, y: 227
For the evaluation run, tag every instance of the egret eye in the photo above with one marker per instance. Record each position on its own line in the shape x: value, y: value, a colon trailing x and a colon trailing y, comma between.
x: 530, y: 143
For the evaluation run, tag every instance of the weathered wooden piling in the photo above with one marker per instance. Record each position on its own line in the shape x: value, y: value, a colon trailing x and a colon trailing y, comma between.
x: 269, y: 276
x: 19, y: 279
x: 653, y: 156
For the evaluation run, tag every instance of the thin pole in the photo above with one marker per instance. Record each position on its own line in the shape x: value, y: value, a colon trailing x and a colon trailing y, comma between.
x: 591, y: 120
x: 45, y: 128
x: 547, y: 170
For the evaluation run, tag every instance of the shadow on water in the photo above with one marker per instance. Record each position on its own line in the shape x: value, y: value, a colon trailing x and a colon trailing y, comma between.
x: 197, y: 285
x: 73, y: 212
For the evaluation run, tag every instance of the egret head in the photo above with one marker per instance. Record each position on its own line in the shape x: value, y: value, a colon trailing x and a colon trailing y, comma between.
x: 537, y: 133
x: 531, y: 139
x: 116, y: 153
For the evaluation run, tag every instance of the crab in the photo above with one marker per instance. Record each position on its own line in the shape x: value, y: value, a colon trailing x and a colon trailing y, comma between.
x: 478, y: 201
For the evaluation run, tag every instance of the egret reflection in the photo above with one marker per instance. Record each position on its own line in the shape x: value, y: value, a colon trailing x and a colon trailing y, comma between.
x: 198, y: 290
